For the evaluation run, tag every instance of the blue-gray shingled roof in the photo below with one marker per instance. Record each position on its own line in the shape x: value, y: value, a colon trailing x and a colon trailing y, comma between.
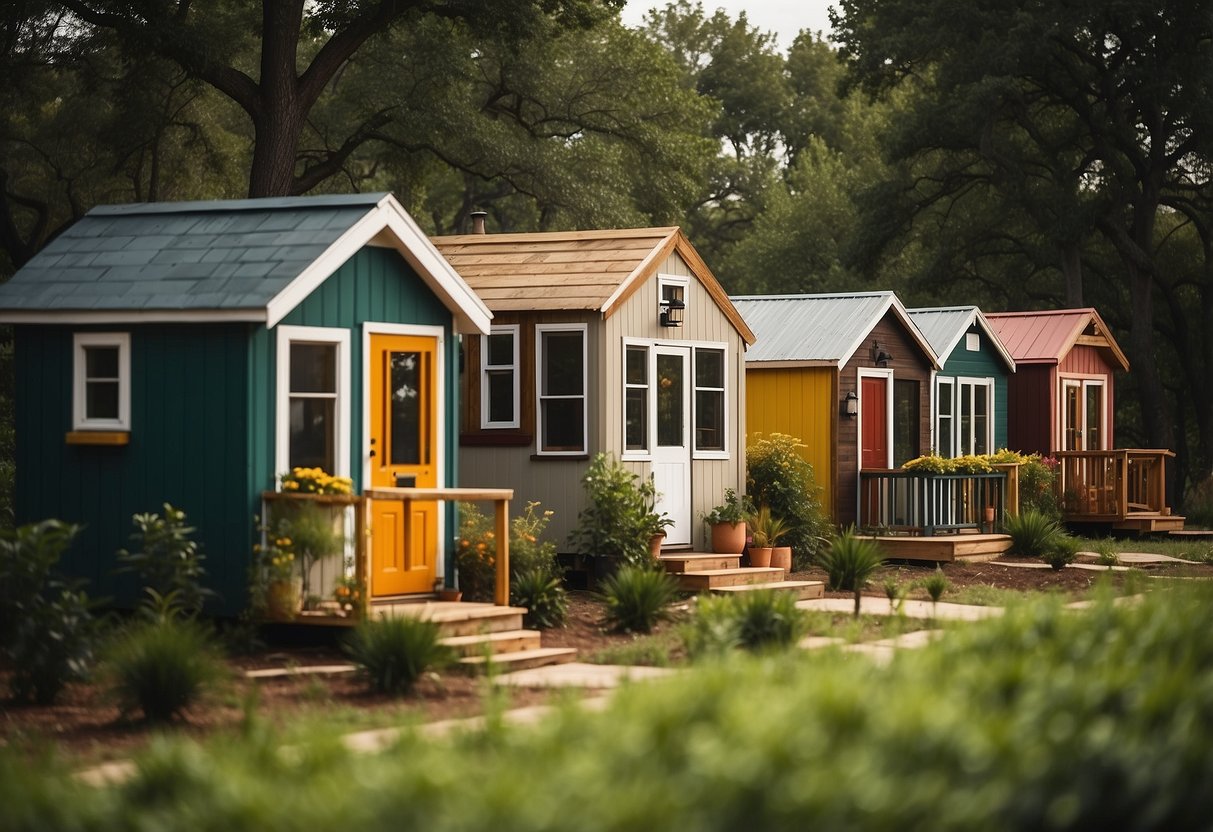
x: 185, y: 256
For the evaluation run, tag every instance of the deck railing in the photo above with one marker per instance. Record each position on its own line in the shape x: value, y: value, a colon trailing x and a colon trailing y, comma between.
x: 910, y: 501
x: 1112, y: 485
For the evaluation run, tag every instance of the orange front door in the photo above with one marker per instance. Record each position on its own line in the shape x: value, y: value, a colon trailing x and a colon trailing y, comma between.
x: 404, y: 452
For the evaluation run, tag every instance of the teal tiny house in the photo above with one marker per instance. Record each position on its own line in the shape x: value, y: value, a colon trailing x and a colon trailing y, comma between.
x: 191, y: 352
x: 969, y: 396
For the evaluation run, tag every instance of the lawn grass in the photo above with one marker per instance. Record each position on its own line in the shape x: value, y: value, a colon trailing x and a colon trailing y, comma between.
x: 658, y: 650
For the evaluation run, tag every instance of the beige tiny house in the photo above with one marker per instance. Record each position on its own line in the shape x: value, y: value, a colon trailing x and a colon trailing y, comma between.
x: 619, y: 341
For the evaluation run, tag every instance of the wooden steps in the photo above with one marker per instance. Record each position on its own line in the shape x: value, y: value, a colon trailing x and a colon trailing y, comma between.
x: 704, y: 572
x: 480, y: 633
x: 943, y: 547
x: 1150, y: 523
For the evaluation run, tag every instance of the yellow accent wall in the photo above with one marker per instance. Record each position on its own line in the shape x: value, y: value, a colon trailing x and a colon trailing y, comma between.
x: 800, y: 402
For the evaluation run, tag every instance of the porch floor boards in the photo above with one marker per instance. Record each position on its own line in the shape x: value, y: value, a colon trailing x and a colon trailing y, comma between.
x: 481, y: 633
x: 943, y: 548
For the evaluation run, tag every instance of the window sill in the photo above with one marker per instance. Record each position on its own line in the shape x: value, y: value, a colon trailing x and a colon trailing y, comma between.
x: 711, y: 455
x: 98, y: 437
x: 501, y: 439
x: 560, y: 457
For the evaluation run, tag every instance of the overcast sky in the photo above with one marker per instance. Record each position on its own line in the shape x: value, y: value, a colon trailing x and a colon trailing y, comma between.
x: 784, y: 17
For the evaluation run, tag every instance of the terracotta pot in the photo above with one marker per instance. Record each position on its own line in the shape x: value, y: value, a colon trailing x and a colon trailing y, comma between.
x: 282, y: 600
x: 655, y: 544
x: 450, y: 595
x: 728, y: 538
x: 781, y: 556
x: 760, y: 556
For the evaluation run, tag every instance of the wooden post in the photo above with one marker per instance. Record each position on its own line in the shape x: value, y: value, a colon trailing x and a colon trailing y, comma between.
x: 501, y: 528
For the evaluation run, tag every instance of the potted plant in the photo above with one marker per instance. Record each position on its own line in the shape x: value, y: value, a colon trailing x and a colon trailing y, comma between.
x: 278, y: 581
x: 660, y: 522
x: 770, y: 529
x: 727, y: 523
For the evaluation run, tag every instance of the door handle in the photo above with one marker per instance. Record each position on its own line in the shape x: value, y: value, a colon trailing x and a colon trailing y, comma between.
x: 372, y: 453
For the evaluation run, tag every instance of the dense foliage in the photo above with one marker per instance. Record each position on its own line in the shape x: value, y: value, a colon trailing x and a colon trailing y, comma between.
x: 781, y: 479
x: 619, y: 516
x: 1054, y: 719
x: 476, y: 550
x: 392, y: 653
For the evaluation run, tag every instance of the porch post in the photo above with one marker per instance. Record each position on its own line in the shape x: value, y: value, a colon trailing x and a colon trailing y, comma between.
x: 501, y: 528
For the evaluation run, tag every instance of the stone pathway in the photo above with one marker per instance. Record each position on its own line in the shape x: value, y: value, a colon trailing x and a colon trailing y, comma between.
x: 581, y: 675
x: 873, y: 605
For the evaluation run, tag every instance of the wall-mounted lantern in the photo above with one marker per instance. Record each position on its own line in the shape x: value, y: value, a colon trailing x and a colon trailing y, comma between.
x: 850, y: 405
x: 673, y: 311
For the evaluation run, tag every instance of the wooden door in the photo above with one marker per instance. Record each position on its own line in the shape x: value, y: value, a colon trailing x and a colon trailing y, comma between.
x: 874, y: 422
x: 404, y: 413
x: 672, y: 451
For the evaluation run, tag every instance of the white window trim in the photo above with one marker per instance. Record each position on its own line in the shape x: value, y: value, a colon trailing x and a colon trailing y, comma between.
x: 988, y: 383
x: 664, y: 280
x: 940, y: 383
x: 540, y: 329
x: 861, y: 373
x: 645, y: 455
x: 696, y: 453
x: 282, y: 429
x: 514, y: 331
x: 81, y: 340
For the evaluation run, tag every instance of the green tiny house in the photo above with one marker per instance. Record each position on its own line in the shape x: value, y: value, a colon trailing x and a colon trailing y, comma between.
x: 191, y: 352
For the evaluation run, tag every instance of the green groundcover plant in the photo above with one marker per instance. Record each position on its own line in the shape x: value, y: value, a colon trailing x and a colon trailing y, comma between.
x: 1043, y: 719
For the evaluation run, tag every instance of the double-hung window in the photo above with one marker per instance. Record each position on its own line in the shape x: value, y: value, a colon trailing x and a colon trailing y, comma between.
x: 709, y: 401
x: 102, y: 381
x: 635, y: 399
x: 945, y: 419
x: 561, y: 372
x: 499, y: 378
x: 975, y: 405
x: 313, y: 399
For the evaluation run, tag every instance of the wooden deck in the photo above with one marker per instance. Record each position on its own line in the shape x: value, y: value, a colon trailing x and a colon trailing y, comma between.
x: 943, y: 548
x: 1124, y: 489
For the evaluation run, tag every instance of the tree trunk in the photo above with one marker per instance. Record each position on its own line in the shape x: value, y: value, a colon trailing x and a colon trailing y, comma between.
x: 1071, y: 267
x: 278, y: 116
x: 275, y: 149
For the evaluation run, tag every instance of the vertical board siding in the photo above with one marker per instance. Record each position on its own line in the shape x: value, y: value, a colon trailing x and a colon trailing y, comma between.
x: 798, y: 402
x: 1032, y: 409
x: 984, y: 363
x: 189, y: 397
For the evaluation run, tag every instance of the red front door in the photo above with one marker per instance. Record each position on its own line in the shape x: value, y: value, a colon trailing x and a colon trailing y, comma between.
x: 874, y: 422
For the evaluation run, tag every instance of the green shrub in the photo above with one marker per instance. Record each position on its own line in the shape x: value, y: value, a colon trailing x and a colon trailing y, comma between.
x: 779, y: 477
x: 393, y: 652
x: 1037, y: 486
x: 1062, y: 551
x: 1032, y: 533
x: 162, y: 667
x: 936, y: 584
x: 619, y: 517
x: 757, y: 620
x: 476, y: 549
x: 543, y: 595
x: 47, y: 630
x: 850, y: 561
x: 168, y: 561
x: 637, y: 598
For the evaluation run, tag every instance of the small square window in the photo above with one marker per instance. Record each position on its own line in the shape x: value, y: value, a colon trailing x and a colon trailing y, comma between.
x: 101, y: 381
x: 972, y: 342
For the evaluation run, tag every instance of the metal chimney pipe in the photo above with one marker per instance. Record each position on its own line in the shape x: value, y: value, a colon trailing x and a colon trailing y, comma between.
x: 478, y: 222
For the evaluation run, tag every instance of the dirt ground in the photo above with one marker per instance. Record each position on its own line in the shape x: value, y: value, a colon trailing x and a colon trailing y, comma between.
x: 87, y: 725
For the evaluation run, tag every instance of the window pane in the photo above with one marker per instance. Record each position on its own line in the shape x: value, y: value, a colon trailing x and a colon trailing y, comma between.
x: 312, y: 428
x: 636, y: 419
x: 1094, y: 417
x: 407, y: 416
x: 101, y: 400
x: 709, y: 420
x: 945, y: 437
x: 501, y: 395
x: 314, y: 368
x: 637, y: 369
x: 709, y: 368
x: 562, y: 425
x: 966, y: 419
x: 501, y: 349
x: 101, y: 362
x: 905, y: 421
x: 981, y: 419
x: 562, y: 364
x: 670, y: 381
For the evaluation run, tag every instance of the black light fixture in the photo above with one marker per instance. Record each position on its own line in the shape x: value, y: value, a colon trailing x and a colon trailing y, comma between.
x: 850, y: 405
x: 673, y: 311
x: 880, y: 356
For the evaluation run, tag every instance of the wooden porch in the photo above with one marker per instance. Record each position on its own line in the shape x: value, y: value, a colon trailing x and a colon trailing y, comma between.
x: 1124, y: 488
x: 897, y: 501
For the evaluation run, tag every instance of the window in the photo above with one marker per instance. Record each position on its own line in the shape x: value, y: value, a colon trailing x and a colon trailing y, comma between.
x: 945, y: 419
x: 102, y: 381
x: 709, y: 400
x: 905, y: 421
x: 671, y: 287
x: 972, y: 342
x: 561, y: 372
x: 313, y: 399
x: 499, y: 378
x: 975, y: 404
x: 636, y: 399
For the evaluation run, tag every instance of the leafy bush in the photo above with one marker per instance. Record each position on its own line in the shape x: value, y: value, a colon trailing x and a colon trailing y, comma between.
x: 47, y: 631
x: 619, y: 516
x: 162, y: 667
x: 393, y: 652
x: 1037, y: 486
x: 850, y: 561
x: 168, y: 561
x: 1053, y: 719
x: 1032, y: 533
x: 756, y: 620
x: 779, y: 477
x: 543, y: 595
x: 476, y: 549
x: 1062, y: 551
x: 637, y: 598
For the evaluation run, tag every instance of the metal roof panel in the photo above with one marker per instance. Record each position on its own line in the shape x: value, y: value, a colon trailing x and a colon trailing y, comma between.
x: 822, y: 327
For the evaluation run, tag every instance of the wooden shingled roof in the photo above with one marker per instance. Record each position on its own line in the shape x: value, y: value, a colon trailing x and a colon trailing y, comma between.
x: 574, y: 270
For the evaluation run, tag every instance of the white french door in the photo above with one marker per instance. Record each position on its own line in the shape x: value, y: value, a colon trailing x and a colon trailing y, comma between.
x: 1082, y: 415
x: 671, y: 460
